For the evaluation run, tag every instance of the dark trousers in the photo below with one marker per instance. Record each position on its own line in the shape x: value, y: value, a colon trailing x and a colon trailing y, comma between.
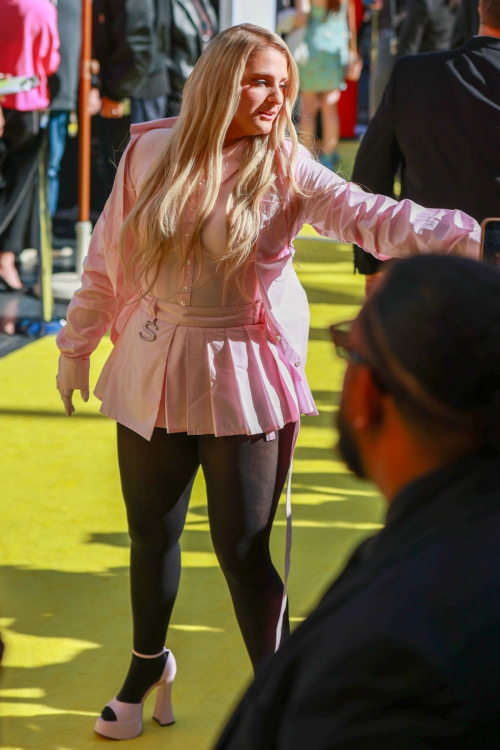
x: 58, y: 131
x: 19, y: 210
x: 244, y: 477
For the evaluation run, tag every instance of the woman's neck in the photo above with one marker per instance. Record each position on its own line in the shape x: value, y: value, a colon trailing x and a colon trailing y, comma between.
x: 233, y: 140
x: 485, y: 30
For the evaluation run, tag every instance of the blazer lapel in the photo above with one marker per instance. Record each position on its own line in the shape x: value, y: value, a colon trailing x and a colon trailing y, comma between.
x: 190, y: 10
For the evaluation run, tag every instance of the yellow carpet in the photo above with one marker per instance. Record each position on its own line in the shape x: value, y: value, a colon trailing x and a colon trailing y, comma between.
x: 64, y: 610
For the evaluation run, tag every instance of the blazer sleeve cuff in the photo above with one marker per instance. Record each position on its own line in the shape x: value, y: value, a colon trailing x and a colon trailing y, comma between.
x: 73, y: 373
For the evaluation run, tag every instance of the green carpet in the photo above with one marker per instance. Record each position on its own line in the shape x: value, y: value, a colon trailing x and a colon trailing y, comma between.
x: 64, y: 610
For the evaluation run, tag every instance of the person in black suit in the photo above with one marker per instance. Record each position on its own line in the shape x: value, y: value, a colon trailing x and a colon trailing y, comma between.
x: 131, y: 42
x: 194, y: 23
x: 438, y: 122
x: 403, y: 651
x: 146, y: 51
x: 427, y: 27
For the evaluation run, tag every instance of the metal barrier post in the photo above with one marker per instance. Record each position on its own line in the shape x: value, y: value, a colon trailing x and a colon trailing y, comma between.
x: 45, y: 234
x: 65, y: 284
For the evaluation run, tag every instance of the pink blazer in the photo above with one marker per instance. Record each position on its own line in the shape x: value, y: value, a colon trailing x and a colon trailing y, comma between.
x: 336, y: 208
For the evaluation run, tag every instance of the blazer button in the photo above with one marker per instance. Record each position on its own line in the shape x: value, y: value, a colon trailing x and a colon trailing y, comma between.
x: 277, y: 338
x: 297, y: 364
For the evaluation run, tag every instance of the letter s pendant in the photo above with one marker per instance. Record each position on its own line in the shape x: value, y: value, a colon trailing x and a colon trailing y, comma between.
x: 147, y: 327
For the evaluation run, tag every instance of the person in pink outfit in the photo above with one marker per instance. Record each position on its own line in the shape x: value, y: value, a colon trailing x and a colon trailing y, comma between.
x: 29, y: 44
x: 191, y: 267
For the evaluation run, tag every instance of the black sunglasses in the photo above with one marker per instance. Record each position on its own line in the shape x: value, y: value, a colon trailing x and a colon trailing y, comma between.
x: 340, y: 333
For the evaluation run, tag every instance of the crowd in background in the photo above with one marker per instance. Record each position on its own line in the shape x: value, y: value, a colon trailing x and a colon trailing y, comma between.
x: 144, y: 52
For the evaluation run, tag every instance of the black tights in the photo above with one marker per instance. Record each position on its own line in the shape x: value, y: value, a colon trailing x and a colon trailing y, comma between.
x: 244, y: 477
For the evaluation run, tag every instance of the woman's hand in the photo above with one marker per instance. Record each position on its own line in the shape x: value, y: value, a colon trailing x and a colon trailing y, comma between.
x: 111, y: 109
x: 67, y: 399
x: 94, y: 102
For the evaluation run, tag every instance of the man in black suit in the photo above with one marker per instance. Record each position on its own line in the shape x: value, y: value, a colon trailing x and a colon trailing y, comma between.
x: 439, y: 122
x: 403, y: 651
x: 131, y: 42
x: 194, y: 24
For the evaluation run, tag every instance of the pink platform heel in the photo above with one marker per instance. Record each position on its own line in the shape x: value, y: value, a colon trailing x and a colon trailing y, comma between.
x: 128, y: 722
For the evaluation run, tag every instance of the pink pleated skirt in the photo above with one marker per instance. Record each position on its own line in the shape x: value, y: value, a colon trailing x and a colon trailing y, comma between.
x: 209, y: 370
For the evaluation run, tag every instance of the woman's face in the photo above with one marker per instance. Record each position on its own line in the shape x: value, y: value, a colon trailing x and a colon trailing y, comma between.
x: 263, y: 89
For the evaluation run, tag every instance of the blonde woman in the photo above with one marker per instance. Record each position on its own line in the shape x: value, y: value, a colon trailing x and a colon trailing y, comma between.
x: 191, y: 266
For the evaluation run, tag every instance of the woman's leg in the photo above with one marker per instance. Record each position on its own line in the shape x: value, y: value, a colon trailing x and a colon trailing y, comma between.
x: 157, y: 478
x: 18, y: 199
x: 245, y: 476
x: 58, y: 130
x: 330, y: 122
x: 309, y: 107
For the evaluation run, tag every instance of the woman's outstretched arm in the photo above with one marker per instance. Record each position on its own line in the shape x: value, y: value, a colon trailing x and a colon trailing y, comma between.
x: 380, y: 225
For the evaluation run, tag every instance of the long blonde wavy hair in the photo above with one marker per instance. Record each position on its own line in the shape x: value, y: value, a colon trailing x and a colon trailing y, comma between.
x: 193, y: 153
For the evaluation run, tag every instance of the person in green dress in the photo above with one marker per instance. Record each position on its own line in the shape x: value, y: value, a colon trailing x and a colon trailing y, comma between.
x: 329, y: 47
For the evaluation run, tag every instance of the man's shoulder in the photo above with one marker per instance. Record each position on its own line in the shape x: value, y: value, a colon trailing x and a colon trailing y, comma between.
x: 431, y: 61
x: 426, y: 61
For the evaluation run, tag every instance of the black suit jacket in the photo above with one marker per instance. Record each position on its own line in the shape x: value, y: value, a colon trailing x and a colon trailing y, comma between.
x: 428, y: 26
x: 439, y: 121
x: 187, y: 40
x: 403, y: 651
x: 131, y: 41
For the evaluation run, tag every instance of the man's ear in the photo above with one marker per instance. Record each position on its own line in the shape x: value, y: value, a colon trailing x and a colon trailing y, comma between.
x: 367, y: 402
